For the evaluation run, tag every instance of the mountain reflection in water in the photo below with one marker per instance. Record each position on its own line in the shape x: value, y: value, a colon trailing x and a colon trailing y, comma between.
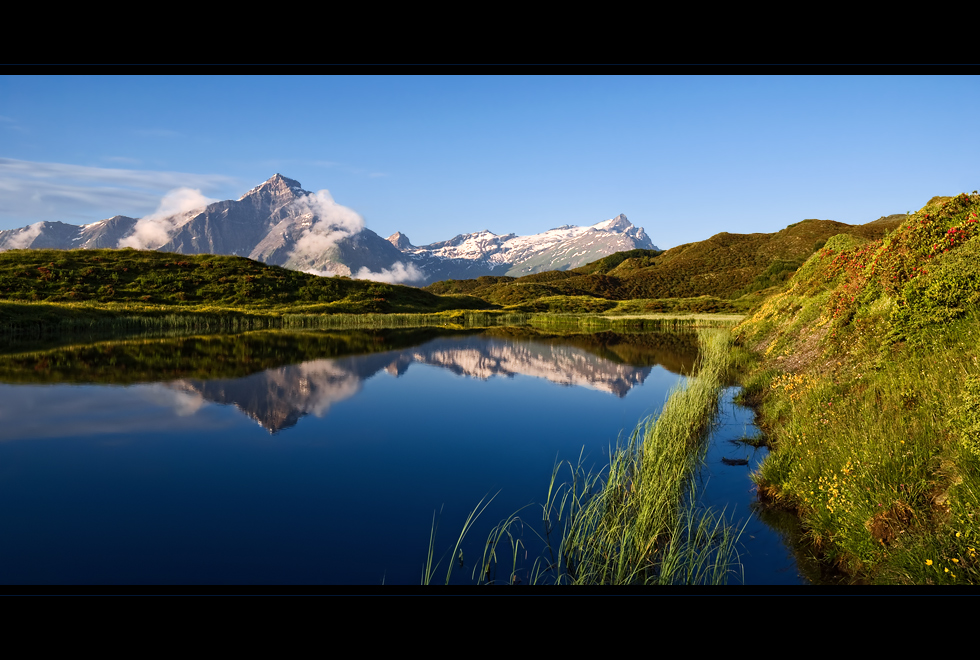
x: 277, y: 397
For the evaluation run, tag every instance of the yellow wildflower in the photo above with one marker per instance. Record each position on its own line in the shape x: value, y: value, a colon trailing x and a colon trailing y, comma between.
x: 928, y: 562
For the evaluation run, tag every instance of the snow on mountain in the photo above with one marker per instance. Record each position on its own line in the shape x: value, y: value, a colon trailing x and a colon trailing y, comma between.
x: 561, y: 248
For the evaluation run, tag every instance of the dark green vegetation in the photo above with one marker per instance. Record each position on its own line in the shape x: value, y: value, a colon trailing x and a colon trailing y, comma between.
x: 146, y: 280
x: 868, y: 384
x: 724, y: 274
x: 126, y: 292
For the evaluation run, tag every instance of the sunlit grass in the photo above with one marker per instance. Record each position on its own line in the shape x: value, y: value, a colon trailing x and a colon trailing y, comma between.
x: 870, y: 396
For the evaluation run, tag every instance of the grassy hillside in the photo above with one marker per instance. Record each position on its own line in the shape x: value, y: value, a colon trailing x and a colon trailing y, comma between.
x: 869, y: 390
x: 721, y: 274
x: 150, y: 278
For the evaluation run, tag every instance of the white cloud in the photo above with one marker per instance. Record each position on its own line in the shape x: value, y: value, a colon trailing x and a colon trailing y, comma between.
x: 331, y: 223
x: 176, y: 208
x: 23, y: 238
x: 397, y: 274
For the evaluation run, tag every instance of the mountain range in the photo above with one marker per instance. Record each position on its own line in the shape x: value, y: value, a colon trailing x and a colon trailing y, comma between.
x: 280, y: 223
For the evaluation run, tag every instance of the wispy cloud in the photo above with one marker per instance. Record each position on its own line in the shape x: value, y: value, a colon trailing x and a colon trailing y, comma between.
x: 399, y: 273
x: 11, y: 124
x: 32, y: 191
x: 105, y: 175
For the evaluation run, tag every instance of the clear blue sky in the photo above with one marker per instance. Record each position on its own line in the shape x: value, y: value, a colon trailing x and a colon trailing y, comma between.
x: 685, y: 157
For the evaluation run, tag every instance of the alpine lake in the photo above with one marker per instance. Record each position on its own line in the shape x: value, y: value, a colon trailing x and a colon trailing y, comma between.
x: 327, y: 457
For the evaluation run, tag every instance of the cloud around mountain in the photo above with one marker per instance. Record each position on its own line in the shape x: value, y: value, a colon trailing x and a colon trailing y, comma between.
x: 156, y: 229
x: 329, y: 223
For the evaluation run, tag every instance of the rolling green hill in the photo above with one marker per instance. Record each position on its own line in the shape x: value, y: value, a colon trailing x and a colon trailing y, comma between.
x: 160, y: 279
x: 869, y: 391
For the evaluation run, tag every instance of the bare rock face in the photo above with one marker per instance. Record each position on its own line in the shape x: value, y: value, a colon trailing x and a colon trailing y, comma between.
x: 400, y: 241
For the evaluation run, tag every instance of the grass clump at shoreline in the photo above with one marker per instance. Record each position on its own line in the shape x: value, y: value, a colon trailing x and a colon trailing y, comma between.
x: 638, y: 521
x: 868, y: 388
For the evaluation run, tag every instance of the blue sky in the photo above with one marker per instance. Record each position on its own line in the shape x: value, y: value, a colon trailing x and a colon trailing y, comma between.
x: 685, y: 157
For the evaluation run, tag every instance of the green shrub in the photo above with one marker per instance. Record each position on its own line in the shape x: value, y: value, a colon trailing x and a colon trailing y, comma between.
x: 969, y: 415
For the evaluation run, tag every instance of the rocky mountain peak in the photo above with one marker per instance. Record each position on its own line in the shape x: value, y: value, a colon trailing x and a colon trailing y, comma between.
x: 276, y: 189
x: 619, y: 223
x: 400, y: 241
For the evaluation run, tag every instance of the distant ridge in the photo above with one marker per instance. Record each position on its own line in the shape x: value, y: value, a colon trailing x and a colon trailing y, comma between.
x: 278, y: 222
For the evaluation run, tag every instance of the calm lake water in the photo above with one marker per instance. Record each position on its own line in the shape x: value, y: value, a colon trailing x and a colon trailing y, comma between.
x: 320, y: 458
